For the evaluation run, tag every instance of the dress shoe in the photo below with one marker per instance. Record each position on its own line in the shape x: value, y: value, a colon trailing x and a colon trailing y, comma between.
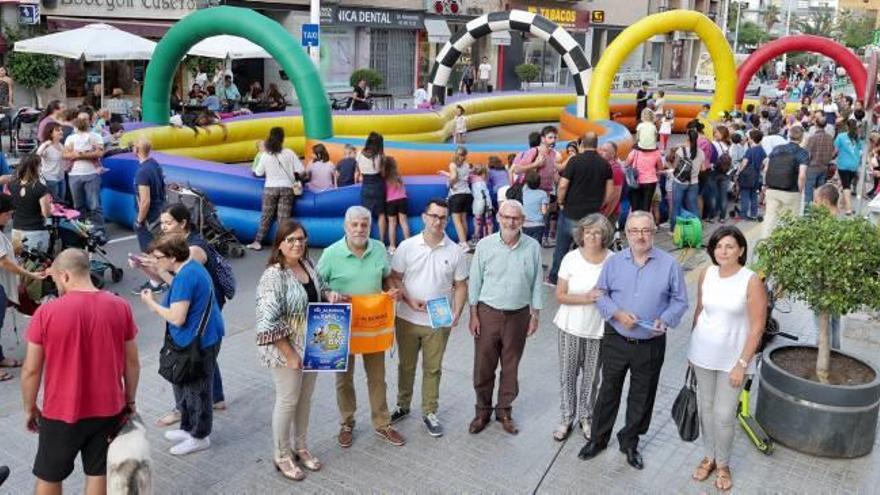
x: 508, y: 424
x: 478, y: 424
x: 633, y: 458
x: 590, y: 450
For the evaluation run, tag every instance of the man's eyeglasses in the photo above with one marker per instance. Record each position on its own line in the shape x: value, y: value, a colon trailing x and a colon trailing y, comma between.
x: 644, y: 232
x: 437, y: 218
x: 511, y: 219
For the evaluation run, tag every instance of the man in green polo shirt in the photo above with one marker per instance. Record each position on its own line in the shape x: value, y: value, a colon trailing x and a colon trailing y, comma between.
x: 356, y: 265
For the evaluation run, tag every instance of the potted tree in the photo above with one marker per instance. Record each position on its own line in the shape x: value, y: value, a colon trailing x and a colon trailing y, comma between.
x: 812, y: 398
x: 31, y: 70
x: 527, y: 73
x: 373, y: 77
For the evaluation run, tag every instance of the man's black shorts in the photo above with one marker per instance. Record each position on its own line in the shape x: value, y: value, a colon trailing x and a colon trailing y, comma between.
x: 60, y: 443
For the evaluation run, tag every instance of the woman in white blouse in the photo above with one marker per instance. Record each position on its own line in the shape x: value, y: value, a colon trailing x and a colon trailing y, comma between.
x: 282, y: 168
x: 580, y: 324
x: 729, y: 321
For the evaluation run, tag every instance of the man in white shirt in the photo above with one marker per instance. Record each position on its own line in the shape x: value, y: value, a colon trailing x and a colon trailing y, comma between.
x: 772, y: 140
x: 427, y: 267
x: 485, y: 74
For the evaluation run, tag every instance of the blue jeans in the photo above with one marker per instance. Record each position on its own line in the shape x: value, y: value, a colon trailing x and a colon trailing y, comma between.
x: 684, y: 197
x: 564, y: 241
x: 536, y: 233
x: 56, y: 189
x: 834, y: 326
x: 144, y: 236
x: 708, y: 193
x: 86, y: 192
x: 815, y: 180
x: 722, y: 185
x: 748, y: 200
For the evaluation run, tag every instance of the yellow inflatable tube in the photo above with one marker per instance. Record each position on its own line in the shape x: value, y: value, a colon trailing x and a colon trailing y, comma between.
x: 662, y: 23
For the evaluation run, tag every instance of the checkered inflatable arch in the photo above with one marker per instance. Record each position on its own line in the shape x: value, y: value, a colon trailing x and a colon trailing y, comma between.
x: 516, y: 20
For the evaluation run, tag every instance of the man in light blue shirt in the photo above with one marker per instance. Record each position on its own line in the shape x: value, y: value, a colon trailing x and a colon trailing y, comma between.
x: 505, y: 294
x: 228, y: 93
x: 644, y: 294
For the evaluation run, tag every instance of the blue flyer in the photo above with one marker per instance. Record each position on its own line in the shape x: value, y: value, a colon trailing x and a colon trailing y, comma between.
x: 439, y: 312
x: 328, y: 329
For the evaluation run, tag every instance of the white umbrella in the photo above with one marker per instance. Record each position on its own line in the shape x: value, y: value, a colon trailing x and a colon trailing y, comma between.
x: 95, y: 42
x: 225, y: 46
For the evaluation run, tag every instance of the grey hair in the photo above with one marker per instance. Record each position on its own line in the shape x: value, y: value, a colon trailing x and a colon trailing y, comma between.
x: 593, y: 220
x: 356, y: 212
x: 514, y: 203
x: 640, y: 214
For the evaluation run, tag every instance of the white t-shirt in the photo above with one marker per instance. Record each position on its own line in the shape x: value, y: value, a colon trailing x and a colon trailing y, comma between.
x: 581, y: 320
x: 428, y: 273
x: 8, y: 280
x: 772, y: 141
x: 830, y: 108
x: 52, y: 161
x: 279, y: 169
x: 366, y: 165
x: 485, y: 71
x: 666, y: 126
x: 460, y: 125
x: 722, y: 328
x: 84, y: 142
x: 646, y: 134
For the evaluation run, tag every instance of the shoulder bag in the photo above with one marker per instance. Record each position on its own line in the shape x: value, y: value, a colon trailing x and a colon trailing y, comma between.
x: 683, y: 168
x: 181, y: 365
x: 297, y: 184
x: 632, y: 173
x: 684, y: 409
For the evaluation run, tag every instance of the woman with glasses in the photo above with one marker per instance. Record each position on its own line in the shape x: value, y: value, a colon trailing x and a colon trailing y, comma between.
x: 284, y: 292
x: 579, y: 322
x: 460, y: 194
x: 188, y: 302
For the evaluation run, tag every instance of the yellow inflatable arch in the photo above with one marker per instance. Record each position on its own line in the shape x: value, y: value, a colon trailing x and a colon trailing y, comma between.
x: 673, y: 20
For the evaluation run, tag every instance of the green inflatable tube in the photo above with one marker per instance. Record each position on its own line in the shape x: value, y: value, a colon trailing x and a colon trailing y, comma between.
x: 255, y: 27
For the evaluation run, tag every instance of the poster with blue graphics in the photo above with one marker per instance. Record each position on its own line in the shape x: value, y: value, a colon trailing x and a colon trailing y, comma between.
x: 328, y: 330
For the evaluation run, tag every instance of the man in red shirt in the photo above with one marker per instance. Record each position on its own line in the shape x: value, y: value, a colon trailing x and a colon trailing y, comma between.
x: 82, y: 346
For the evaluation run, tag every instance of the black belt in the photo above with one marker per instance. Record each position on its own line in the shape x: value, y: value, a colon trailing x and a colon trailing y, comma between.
x: 611, y: 331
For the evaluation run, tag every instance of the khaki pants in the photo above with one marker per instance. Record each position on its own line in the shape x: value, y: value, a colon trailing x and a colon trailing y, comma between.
x: 293, y: 402
x: 432, y: 342
x: 778, y: 202
x: 502, y: 339
x: 374, y: 365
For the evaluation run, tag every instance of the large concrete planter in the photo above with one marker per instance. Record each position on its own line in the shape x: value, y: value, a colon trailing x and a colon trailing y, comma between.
x: 817, y: 419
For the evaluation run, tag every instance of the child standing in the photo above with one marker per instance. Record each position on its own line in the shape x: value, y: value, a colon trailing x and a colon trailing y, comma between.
x: 646, y: 131
x: 460, y: 129
x: 749, y: 176
x: 395, y: 203
x: 482, y: 203
x: 659, y: 103
x: 666, y: 129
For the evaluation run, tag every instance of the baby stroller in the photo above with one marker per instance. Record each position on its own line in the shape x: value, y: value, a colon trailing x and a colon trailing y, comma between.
x: 73, y: 233
x: 206, y: 221
x: 24, y: 131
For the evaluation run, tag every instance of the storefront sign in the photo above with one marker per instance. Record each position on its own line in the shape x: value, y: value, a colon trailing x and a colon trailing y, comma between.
x: 134, y: 9
x: 352, y: 16
x: 565, y: 17
x: 29, y: 14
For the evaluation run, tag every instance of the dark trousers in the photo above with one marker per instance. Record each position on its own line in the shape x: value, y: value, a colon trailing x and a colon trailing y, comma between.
x: 194, y: 400
x: 642, y: 198
x: 643, y: 361
x: 564, y: 242
x: 502, y: 338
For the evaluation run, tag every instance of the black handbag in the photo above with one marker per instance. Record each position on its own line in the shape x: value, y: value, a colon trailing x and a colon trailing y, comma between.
x: 181, y: 365
x: 684, y: 409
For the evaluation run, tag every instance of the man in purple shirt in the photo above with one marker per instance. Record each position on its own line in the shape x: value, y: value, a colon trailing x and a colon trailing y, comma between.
x: 644, y: 294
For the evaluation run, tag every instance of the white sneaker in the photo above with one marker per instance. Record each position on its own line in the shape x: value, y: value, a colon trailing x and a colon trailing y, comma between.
x: 177, y: 435
x: 191, y: 445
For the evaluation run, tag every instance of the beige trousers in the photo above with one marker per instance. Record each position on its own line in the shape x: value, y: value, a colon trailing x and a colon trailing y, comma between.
x: 293, y: 401
x: 776, y: 203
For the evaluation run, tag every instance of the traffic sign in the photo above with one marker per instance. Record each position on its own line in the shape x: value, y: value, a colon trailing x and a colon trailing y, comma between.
x: 311, y: 34
x: 29, y: 14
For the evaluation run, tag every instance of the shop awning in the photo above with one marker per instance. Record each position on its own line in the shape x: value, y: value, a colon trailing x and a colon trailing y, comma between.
x: 438, y: 30
x: 147, y: 29
x: 501, y: 38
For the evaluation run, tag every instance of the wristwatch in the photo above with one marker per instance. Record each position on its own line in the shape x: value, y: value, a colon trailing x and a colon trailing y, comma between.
x: 742, y: 362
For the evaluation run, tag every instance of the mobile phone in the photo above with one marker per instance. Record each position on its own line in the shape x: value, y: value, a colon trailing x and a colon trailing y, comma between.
x: 136, y: 260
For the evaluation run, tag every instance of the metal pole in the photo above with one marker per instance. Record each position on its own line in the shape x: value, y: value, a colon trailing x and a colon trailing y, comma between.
x: 315, y: 18
x: 736, y: 31
x: 787, y: 29
x: 866, y: 147
x: 103, y: 89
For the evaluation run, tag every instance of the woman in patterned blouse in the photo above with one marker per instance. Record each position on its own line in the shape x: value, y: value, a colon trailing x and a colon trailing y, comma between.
x: 287, y: 286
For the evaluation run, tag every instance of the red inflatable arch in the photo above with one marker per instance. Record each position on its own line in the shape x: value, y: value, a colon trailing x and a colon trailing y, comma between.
x: 802, y: 43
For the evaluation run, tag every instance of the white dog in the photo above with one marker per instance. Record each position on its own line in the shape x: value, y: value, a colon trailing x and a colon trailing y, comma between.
x: 129, y: 468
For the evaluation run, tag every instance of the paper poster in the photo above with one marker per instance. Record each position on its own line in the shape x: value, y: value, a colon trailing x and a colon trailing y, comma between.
x: 328, y: 329
x: 439, y: 312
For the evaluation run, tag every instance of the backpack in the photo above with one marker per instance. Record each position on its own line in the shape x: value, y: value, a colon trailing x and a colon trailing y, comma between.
x: 723, y: 162
x: 683, y: 168
x: 515, y: 191
x: 223, y: 276
x: 688, y: 231
x: 782, y: 171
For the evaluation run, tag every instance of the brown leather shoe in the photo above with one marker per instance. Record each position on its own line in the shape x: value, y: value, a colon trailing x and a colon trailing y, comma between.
x: 391, y: 436
x: 478, y: 424
x: 346, y: 437
x: 508, y: 424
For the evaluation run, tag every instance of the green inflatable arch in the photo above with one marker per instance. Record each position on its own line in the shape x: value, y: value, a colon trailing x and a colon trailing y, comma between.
x: 250, y: 25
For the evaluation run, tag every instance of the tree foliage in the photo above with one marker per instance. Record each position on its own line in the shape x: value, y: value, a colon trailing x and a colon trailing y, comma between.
x: 374, y: 79
x: 830, y: 264
x: 819, y: 22
x: 527, y: 72
x: 856, y: 29
x: 751, y: 34
x: 771, y: 16
x: 31, y: 70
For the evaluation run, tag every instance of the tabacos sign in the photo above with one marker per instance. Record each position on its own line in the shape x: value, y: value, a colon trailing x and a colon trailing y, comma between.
x: 150, y: 9
x: 564, y: 17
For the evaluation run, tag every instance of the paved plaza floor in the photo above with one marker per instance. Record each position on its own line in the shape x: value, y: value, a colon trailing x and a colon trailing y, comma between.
x: 240, y: 459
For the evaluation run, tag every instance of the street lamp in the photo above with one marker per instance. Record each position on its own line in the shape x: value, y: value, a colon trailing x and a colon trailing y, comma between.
x: 736, y: 31
x: 787, y: 29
